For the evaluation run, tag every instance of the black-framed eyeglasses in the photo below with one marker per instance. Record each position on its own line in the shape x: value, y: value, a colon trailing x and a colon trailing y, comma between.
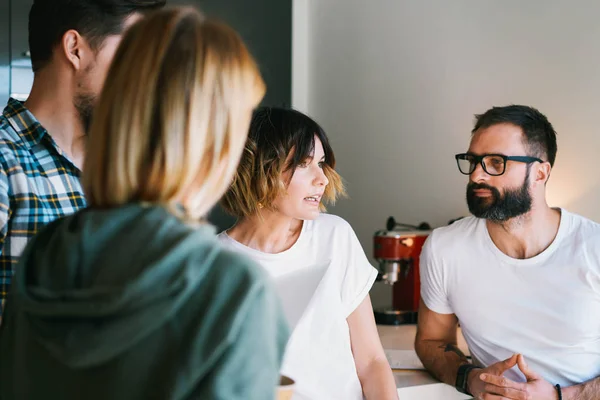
x: 492, y: 164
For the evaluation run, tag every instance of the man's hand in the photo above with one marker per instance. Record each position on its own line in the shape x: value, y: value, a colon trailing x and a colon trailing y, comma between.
x: 484, y: 390
x: 498, y: 387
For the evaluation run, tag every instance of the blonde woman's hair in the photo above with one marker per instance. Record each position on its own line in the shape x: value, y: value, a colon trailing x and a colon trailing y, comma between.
x: 280, y: 140
x: 173, y: 116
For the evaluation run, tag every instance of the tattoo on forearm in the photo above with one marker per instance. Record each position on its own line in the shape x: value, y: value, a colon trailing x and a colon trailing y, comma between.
x: 454, y: 349
x: 440, y: 360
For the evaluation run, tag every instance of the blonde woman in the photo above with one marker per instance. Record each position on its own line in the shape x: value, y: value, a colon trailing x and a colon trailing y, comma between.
x: 286, y: 174
x: 130, y: 299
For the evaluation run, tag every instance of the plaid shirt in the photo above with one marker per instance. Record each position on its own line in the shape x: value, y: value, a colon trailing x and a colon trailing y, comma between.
x: 38, y: 184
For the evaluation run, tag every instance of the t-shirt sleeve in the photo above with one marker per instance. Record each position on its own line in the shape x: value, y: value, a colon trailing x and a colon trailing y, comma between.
x: 433, y: 290
x: 359, y: 274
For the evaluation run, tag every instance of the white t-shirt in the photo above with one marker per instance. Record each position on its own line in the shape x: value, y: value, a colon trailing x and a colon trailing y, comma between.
x: 318, y: 355
x: 546, y: 307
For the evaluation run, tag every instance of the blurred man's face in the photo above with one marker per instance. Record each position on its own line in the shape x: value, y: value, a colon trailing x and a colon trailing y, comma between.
x: 91, y: 81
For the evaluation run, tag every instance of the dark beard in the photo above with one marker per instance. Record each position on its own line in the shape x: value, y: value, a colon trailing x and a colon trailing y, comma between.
x: 514, y: 203
x: 84, y: 104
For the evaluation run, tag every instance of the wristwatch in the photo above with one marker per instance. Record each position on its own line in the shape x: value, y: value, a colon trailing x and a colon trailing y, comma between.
x: 462, y: 378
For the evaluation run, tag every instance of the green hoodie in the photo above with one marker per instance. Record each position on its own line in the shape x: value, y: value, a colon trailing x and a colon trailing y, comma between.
x: 131, y: 303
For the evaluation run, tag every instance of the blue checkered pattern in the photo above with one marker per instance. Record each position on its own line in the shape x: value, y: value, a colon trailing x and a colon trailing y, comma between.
x: 38, y: 184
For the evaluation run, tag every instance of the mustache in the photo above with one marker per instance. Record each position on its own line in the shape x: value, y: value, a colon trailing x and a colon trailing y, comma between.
x: 475, y: 186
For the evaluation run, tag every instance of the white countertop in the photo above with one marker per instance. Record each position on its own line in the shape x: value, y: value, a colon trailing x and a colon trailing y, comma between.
x: 402, y: 337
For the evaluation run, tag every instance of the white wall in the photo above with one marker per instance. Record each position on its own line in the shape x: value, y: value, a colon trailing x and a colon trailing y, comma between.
x: 300, y: 54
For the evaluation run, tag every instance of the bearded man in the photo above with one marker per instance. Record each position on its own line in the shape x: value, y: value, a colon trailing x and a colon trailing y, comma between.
x: 521, y: 278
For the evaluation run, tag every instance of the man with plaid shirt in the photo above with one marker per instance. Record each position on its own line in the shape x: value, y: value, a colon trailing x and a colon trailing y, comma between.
x: 42, y: 141
x: 38, y: 183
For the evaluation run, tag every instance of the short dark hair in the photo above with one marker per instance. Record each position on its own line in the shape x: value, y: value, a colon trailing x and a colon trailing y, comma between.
x: 275, y: 134
x: 95, y: 20
x: 538, y: 134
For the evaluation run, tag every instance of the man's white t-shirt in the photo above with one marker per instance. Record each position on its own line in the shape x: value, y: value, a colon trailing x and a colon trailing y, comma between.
x: 318, y: 355
x: 546, y: 307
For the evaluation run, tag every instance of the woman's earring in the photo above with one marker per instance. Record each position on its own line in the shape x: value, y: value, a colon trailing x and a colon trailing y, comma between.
x: 260, y: 205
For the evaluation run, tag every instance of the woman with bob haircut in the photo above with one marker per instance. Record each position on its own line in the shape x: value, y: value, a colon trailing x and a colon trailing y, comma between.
x: 286, y: 172
x: 133, y: 297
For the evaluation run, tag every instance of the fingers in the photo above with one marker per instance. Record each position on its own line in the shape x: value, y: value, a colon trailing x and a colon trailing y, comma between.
x: 503, y: 387
x: 488, y: 396
x: 502, y: 381
x: 506, y: 396
x: 529, y: 374
x: 500, y: 367
x: 504, y: 393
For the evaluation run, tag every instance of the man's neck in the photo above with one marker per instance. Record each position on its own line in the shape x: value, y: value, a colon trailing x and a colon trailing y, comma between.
x: 52, y: 105
x: 528, y: 235
x: 273, y: 233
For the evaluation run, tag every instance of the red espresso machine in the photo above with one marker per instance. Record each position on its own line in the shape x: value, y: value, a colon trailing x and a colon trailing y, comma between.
x: 397, y: 250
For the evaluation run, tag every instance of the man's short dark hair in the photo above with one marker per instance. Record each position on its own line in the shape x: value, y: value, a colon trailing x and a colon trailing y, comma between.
x: 95, y: 20
x: 538, y: 133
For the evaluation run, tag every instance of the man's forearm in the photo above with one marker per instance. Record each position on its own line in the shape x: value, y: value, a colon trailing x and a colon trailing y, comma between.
x: 589, y: 390
x: 441, y: 359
